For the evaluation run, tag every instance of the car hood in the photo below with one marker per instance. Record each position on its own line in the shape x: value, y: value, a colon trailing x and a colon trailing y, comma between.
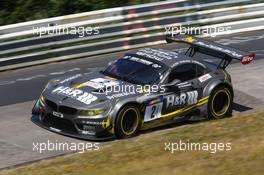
x: 92, y: 90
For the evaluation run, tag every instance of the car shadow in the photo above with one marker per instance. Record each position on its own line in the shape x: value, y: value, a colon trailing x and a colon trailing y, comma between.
x: 236, y: 107
x: 170, y: 126
x: 240, y: 107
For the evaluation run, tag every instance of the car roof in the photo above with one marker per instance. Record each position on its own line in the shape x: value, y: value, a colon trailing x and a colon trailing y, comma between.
x: 167, y: 57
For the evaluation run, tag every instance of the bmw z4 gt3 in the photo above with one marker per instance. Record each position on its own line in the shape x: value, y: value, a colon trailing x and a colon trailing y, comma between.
x: 186, y: 87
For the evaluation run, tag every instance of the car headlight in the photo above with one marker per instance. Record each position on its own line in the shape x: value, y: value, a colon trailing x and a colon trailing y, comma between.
x: 92, y: 112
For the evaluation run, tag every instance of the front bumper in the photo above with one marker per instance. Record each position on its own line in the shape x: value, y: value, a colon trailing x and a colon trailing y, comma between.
x: 87, y: 129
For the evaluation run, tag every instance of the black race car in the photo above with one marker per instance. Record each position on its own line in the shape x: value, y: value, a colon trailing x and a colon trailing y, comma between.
x: 143, y: 89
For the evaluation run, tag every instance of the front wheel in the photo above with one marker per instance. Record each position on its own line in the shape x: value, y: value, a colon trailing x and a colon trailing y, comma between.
x: 220, y: 103
x: 127, y: 122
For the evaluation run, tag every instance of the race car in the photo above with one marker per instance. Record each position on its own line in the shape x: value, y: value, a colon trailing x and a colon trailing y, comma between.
x: 143, y: 89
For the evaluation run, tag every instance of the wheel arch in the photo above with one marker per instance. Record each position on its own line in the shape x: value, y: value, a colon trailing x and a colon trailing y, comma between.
x: 211, y: 86
x: 119, y: 115
x: 121, y: 104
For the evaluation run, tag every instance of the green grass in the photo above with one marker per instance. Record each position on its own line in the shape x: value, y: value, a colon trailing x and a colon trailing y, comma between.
x: 145, y: 154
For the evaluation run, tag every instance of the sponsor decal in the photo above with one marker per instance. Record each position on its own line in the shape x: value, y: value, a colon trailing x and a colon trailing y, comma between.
x: 187, y: 98
x: 98, y: 83
x: 204, y: 77
x: 105, y: 82
x: 94, y: 123
x: 70, y: 78
x: 247, y: 59
x: 92, y: 84
x: 158, y: 100
x: 119, y: 95
x: 146, y: 62
x: 233, y: 53
x: 88, y: 132
x: 184, y: 85
x: 138, y: 60
x: 192, y: 97
x: 57, y: 114
x: 55, y: 129
x: 157, y: 54
x: 188, y: 61
x: 189, y: 39
x: 75, y: 94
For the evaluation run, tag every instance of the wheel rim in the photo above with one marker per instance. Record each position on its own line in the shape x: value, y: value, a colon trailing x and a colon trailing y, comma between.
x: 129, y: 122
x: 220, y: 102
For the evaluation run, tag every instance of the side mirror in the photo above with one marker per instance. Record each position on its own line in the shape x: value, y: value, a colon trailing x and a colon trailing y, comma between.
x: 173, y: 85
x: 110, y: 63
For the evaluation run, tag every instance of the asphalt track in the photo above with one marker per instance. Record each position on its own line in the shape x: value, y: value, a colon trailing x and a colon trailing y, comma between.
x: 19, y: 88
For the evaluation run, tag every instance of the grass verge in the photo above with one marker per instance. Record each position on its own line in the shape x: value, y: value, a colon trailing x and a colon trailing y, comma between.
x: 146, y: 154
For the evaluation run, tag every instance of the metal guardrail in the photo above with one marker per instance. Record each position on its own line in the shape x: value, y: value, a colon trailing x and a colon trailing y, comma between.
x: 105, y: 13
x: 121, y: 29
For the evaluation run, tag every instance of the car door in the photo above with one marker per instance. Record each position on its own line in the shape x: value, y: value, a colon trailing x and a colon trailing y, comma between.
x: 187, y: 91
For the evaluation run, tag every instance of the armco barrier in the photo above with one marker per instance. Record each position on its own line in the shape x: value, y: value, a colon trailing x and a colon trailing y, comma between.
x: 121, y: 28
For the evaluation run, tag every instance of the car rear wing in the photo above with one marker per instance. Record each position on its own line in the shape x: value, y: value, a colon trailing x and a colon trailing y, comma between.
x: 225, y: 53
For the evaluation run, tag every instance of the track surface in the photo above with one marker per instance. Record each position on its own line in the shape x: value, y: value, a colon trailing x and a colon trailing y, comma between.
x: 18, y: 89
x: 26, y: 84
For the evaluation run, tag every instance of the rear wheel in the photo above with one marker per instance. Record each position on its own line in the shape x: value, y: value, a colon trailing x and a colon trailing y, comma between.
x: 127, y: 121
x: 220, y: 103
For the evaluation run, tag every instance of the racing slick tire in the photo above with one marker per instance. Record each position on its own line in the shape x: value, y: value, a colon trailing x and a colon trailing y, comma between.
x: 220, y: 103
x: 127, y: 122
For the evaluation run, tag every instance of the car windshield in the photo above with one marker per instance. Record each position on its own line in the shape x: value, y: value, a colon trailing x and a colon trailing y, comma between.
x: 135, y: 70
